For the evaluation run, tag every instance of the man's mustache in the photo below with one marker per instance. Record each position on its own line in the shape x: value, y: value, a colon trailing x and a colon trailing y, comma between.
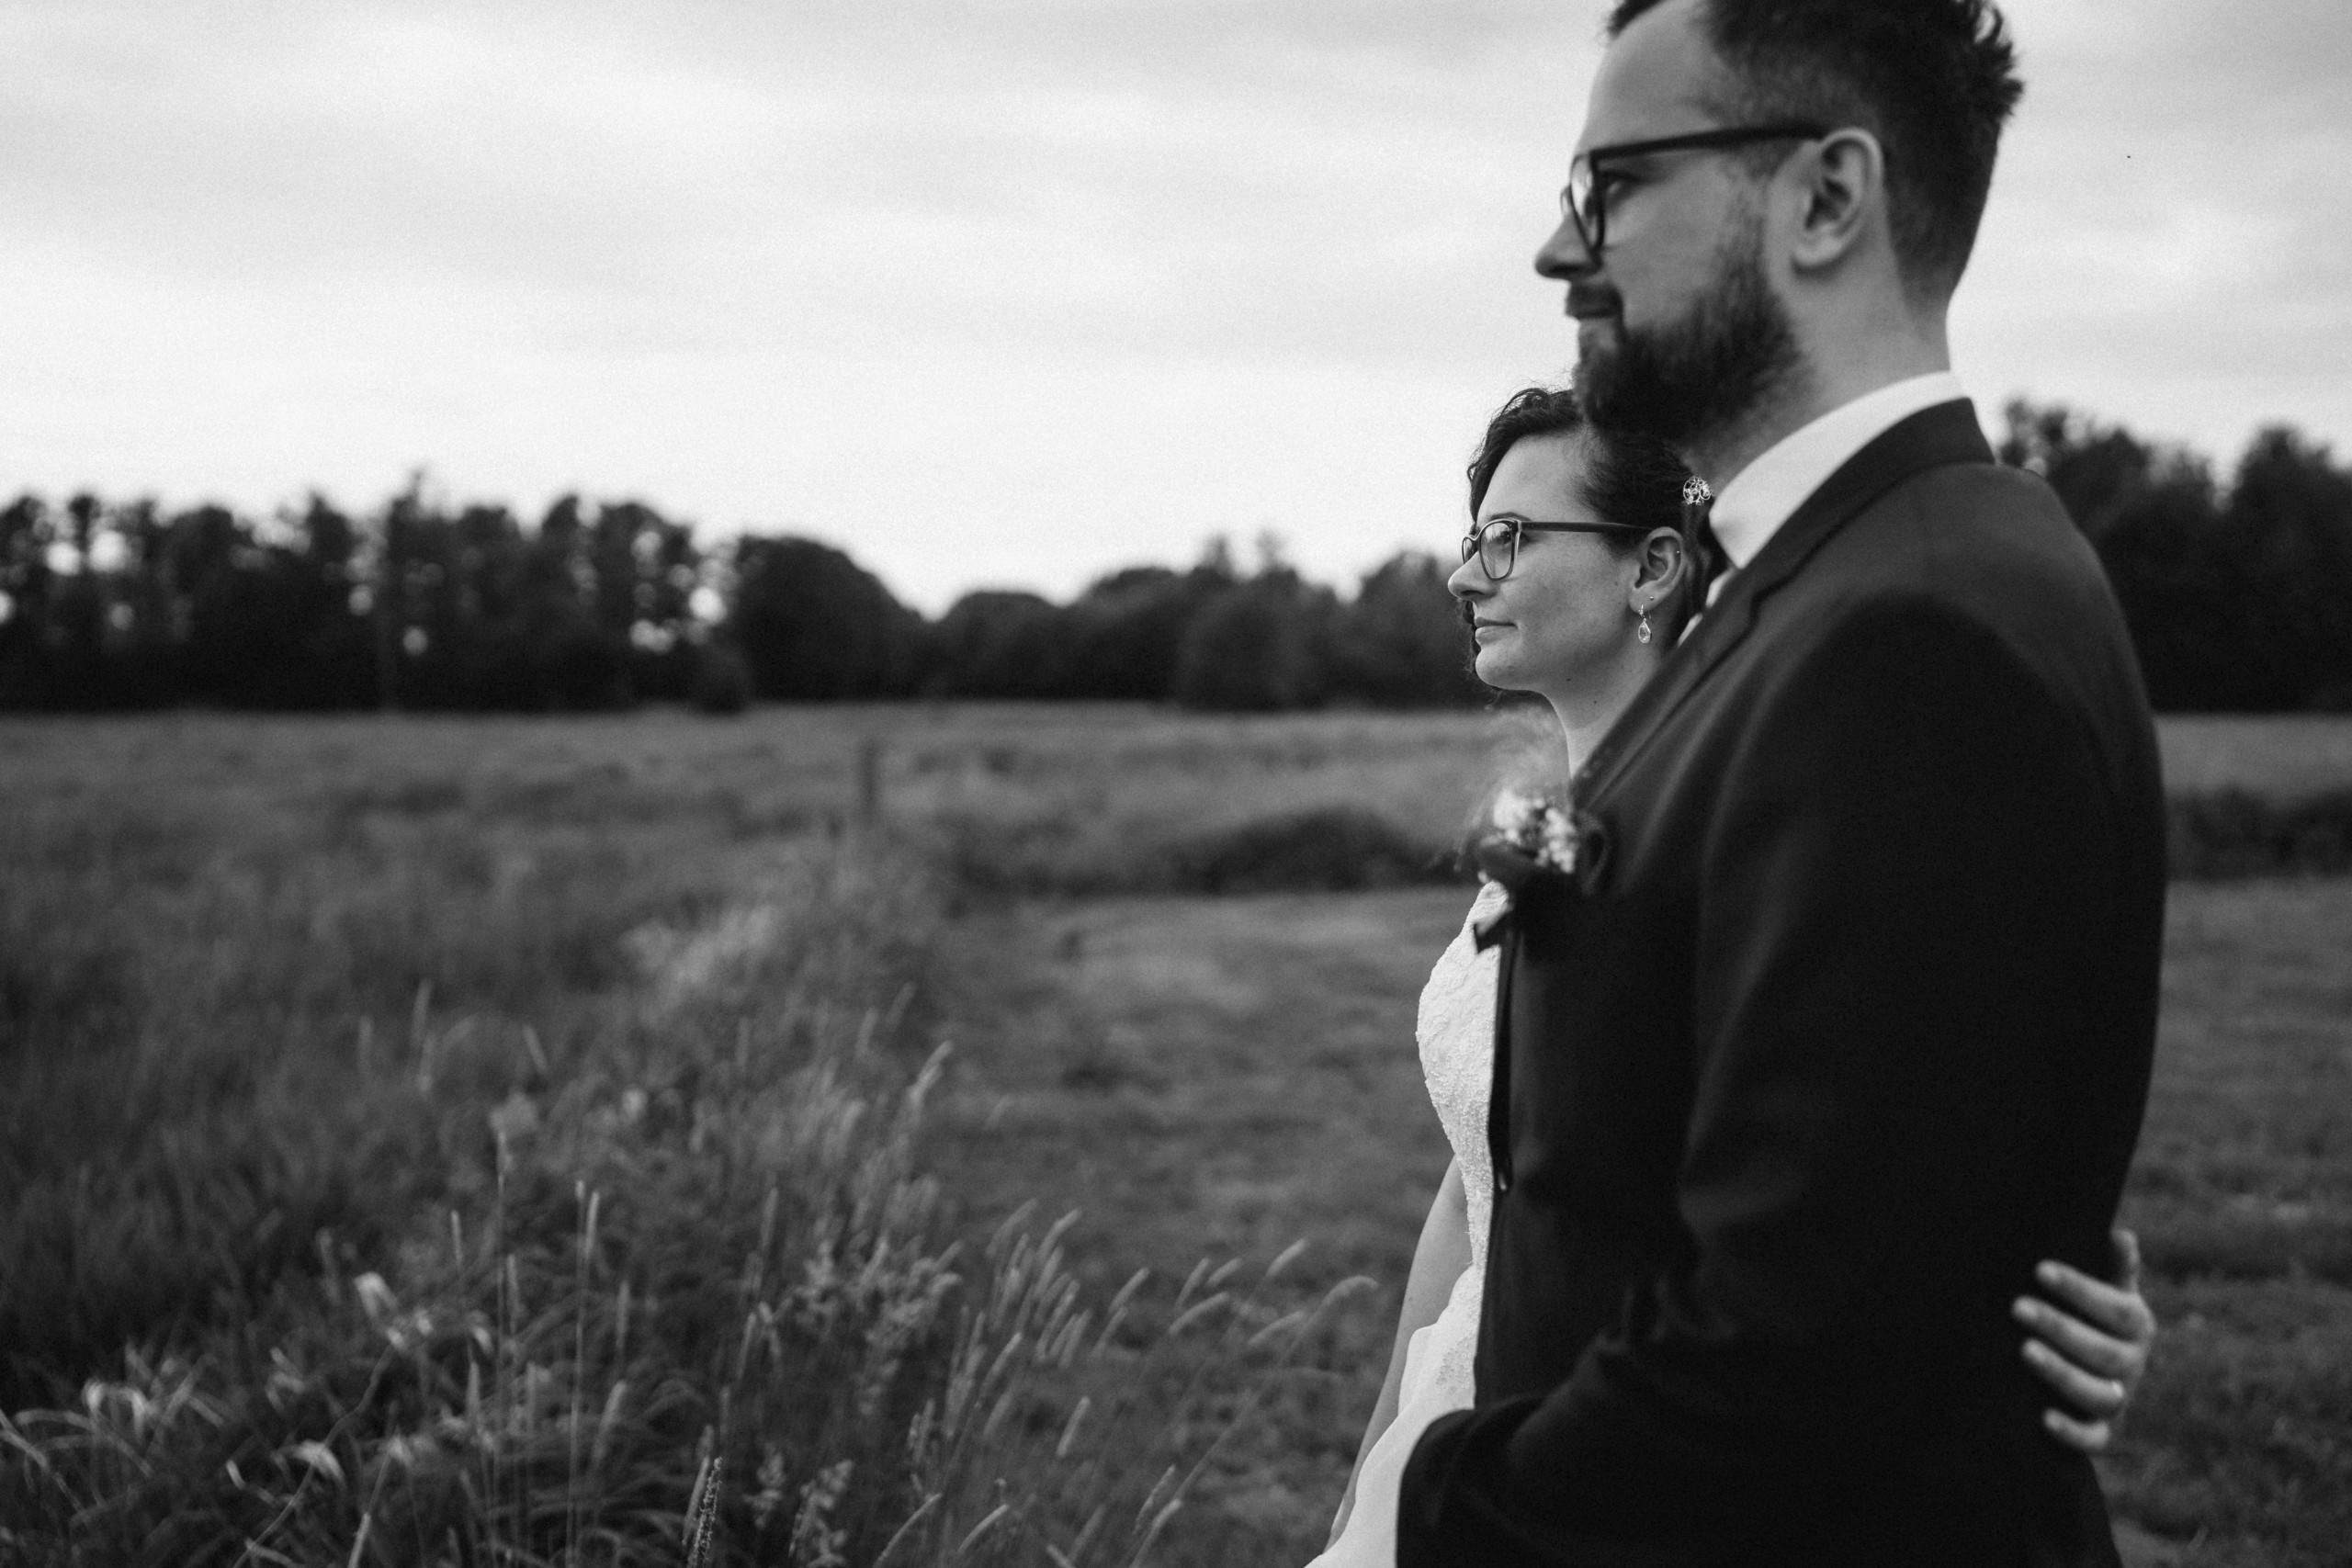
x: 1590, y: 299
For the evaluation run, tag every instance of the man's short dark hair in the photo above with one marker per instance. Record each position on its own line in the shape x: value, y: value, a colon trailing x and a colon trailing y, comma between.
x: 1934, y: 80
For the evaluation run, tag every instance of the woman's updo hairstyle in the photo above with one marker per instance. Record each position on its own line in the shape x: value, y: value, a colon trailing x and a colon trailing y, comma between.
x: 1628, y: 478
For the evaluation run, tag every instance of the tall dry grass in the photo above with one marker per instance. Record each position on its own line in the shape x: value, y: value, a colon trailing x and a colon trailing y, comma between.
x: 395, y: 1176
x: 751, y: 1281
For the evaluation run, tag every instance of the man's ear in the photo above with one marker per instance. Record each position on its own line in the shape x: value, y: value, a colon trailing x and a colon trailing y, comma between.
x: 1840, y: 189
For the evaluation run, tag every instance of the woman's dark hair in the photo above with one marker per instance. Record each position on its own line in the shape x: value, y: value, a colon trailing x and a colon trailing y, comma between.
x: 1628, y: 478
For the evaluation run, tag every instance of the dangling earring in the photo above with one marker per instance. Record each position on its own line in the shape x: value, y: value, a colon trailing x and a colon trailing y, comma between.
x: 1645, y: 633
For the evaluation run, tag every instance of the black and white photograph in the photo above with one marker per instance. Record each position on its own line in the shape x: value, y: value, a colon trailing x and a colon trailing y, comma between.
x: 1175, y: 784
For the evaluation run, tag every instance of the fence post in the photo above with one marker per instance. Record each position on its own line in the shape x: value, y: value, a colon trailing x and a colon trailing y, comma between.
x: 869, y: 781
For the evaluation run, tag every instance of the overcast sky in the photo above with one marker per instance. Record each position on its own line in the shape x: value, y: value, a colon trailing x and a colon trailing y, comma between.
x: 1011, y: 292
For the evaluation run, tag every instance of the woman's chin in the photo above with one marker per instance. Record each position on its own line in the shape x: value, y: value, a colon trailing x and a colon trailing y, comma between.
x: 1496, y: 670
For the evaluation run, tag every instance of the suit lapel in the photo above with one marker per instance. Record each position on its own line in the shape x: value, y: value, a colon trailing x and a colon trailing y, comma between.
x: 1933, y: 437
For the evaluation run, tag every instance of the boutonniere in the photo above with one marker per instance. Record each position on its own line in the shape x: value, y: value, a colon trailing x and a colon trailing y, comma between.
x: 1528, y: 835
x: 1556, y: 837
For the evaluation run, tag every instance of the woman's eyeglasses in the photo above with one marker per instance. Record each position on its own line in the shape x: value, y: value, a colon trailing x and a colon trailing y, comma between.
x: 1496, y: 544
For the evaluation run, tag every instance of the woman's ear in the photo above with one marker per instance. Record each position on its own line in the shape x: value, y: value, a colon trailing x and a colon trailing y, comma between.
x: 1660, y: 572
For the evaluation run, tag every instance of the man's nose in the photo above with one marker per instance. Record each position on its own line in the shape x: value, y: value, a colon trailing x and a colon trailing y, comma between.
x: 1564, y: 256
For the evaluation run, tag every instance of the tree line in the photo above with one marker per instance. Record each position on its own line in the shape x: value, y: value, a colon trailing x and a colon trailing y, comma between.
x: 423, y: 605
x: 2238, y: 595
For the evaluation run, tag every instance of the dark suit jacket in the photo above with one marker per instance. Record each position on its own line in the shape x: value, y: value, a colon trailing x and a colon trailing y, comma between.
x: 1848, y: 1025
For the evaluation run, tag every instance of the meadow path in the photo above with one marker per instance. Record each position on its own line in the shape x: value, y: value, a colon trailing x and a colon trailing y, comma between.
x: 1212, y: 1077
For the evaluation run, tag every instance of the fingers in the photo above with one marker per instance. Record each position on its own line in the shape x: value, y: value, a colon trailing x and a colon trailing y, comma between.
x: 2090, y: 1437
x: 2095, y: 1397
x: 2101, y: 1355
x: 2092, y: 1346
x: 2122, y: 1311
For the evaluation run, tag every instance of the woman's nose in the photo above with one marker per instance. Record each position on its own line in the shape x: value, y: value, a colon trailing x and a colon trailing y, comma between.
x: 1469, y: 581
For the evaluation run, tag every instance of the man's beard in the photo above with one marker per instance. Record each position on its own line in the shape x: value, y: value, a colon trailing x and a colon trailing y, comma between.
x: 1704, y: 373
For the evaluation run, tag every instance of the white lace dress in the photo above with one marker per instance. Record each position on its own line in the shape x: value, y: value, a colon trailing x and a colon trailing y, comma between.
x: 1456, y: 1032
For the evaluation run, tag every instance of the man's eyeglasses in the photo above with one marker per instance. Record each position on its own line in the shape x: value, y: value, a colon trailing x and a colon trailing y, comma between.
x: 1584, y: 200
x: 1496, y: 544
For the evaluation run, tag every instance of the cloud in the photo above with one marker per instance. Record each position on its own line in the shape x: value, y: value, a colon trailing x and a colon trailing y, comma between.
x: 1009, y: 292
x: 2156, y: 249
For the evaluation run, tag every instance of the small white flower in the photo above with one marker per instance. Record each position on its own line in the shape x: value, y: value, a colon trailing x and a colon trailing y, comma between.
x: 1559, y: 851
x: 1514, y: 813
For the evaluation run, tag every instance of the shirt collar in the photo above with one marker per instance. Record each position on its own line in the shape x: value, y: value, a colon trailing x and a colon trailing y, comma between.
x: 1750, y: 509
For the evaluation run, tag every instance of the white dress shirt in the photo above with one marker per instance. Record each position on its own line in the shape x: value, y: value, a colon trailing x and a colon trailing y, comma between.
x: 1750, y: 509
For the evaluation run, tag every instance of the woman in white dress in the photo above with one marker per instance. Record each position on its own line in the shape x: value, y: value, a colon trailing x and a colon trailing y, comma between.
x: 1571, y: 578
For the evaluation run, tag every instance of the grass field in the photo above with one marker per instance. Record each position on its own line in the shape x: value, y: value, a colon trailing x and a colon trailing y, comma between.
x: 1218, y: 1074
x: 263, y: 982
x: 2282, y: 756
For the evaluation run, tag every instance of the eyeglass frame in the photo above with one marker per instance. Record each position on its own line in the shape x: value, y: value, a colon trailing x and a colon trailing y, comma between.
x: 1474, y: 541
x: 1595, y: 179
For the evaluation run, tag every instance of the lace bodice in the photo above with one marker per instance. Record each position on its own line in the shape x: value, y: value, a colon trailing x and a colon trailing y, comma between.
x: 1456, y: 1034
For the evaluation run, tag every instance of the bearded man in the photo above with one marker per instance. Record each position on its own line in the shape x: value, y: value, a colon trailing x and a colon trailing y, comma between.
x: 1853, y: 1021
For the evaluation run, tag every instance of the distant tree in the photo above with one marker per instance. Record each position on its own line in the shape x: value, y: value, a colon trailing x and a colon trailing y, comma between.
x: 1258, y: 648
x: 2190, y: 599
x: 1401, y: 642
x: 464, y: 638
x: 648, y: 569
x: 2290, y: 512
x: 996, y: 643
x: 25, y: 533
x: 1126, y: 631
x: 75, y: 652
x: 2237, y: 601
x: 645, y: 572
x: 332, y: 635
x: 2154, y: 518
x: 147, y: 623
x: 2100, y: 472
x: 576, y: 663
x: 278, y: 628
x: 204, y: 547
x: 814, y: 626
x: 722, y: 682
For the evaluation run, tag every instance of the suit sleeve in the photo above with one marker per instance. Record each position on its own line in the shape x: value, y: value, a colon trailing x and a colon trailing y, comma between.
x: 1910, y: 834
